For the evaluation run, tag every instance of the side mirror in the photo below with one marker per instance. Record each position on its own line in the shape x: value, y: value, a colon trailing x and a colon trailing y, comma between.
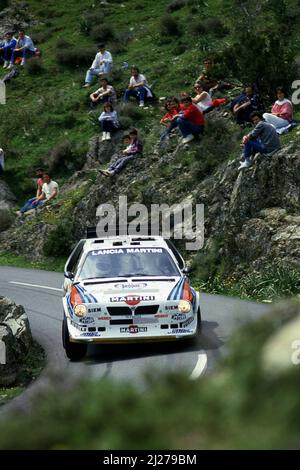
x: 186, y: 270
x: 69, y: 275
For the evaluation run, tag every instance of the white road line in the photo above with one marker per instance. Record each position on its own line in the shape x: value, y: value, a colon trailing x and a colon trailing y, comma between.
x: 35, y: 285
x: 200, y: 366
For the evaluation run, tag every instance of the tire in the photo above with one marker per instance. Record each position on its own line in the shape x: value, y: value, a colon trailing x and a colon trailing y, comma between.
x: 199, y: 323
x: 74, y: 351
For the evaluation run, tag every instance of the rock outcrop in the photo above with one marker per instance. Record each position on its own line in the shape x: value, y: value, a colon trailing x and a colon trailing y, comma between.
x: 254, y: 213
x: 7, y: 201
x: 15, y: 340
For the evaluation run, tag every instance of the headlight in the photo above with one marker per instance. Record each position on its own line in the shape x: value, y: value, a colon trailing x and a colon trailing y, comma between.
x: 80, y: 310
x: 184, y: 306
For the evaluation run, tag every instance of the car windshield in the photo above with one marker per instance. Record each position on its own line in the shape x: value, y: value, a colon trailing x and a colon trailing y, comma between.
x: 128, y: 262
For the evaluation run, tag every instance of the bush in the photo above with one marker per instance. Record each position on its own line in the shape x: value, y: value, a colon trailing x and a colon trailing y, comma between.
x: 212, y: 26
x: 126, y: 122
x: 176, y: 5
x: 61, y: 43
x: 73, y: 56
x: 90, y: 19
x: 41, y: 36
x: 59, y: 240
x: 132, y: 111
x: 168, y: 26
x: 59, y: 156
x: 102, y: 33
x: 34, y: 66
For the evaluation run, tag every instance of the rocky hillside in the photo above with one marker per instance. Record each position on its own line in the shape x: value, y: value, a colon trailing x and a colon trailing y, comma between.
x: 251, y: 217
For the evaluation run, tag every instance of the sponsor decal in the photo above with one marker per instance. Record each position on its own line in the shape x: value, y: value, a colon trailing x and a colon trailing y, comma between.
x: 171, y: 307
x: 104, y: 318
x: 178, y: 331
x: 118, y: 251
x: 133, y: 329
x: 161, y: 315
x: 78, y: 327
x: 132, y: 299
x: 94, y: 310
x: 179, y: 316
x: 138, y: 320
x: 188, y: 322
x: 90, y: 333
x: 131, y: 286
x: 86, y: 320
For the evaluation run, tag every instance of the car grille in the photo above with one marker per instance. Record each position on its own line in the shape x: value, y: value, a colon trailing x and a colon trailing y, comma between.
x: 141, y: 310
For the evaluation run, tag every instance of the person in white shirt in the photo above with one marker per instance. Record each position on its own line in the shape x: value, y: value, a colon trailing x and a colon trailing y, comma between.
x: 138, y: 87
x: 202, y: 99
x: 49, y: 192
x: 24, y: 48
x: 102, y: 65
x: 105, y: 94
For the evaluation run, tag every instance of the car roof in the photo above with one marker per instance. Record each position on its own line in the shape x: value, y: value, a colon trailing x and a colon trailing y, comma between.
x: 125, y: 240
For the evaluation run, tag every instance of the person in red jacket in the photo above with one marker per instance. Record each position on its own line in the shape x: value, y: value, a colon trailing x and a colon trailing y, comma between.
x: 190, y: 120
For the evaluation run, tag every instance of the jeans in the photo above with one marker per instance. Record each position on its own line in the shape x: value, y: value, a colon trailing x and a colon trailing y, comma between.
x: 172, y: 125
x: 118, y: 166
x: 28, y: 205
x: 188, y: 127
x: 139, y: 92
x: 275, y: 120
x: 91, y: 73
x: 6, y: 52
x: 108, y: 126
x: 251, y: 148
x: 24, y: 53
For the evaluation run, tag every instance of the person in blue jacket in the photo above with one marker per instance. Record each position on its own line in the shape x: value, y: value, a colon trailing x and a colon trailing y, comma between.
x: 6, y: 48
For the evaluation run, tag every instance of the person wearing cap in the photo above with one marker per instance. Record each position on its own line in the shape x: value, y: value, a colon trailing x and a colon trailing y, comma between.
x: 102, y: 64
x: 7, y: 47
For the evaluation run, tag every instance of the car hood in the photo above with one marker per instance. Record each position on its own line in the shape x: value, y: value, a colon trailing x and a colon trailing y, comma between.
x: 133, y: 290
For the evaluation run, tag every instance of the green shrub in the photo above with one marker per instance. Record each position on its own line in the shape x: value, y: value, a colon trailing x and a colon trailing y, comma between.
x: 62, y: 43
x: 168, y: 26
x: 90, y: 19
x: 34, y: 66
x: 132, y: 111
x: 41, y: 36
x: 59, y: 157
x: 176, y: 5
x: 102, y: 32
x: 59, y: 240
x: 73, y: 56
x: 126, y: 122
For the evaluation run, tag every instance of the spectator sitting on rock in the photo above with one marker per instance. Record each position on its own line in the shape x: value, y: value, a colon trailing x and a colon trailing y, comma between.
x: 245, y: 104
x: 48, y: 192
x: 204, y: 101
x: 24, y: 48
x: 134, y: 149
x: 169, y: 120
x: 282, y: 110
x: 263, y: 139
x: 7, y: 47
x: 138, y: 87
x: 106, y: 93
x: 210, y: 77
x: 1, y: 161
x: 109, y: 121
x: 190, y: 120
x: 102, y: 65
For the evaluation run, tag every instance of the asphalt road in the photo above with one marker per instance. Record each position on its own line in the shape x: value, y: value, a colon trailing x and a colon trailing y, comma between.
x: 42, y: 302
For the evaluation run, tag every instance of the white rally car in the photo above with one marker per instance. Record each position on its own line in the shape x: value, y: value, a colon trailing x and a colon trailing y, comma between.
x: 127, y: 289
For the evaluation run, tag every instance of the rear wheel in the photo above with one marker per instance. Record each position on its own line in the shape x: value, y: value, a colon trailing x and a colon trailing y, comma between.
x: 74, y: 351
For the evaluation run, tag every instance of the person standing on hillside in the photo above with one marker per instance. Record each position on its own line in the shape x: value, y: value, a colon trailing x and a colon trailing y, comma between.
x: 7, y: 47
x: 24, y: 48
x: 102, y: 64
x: 263, y: 139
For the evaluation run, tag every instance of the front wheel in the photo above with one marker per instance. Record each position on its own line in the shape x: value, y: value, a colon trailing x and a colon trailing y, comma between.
x: 74, y: 351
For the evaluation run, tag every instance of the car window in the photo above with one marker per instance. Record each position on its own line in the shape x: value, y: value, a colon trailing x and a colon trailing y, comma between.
x: 128, y: 262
